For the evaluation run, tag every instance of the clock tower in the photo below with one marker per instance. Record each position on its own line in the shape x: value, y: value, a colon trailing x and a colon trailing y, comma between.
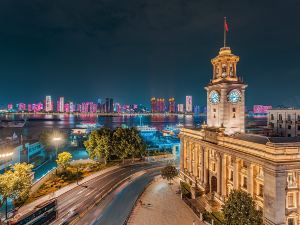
x: 226, y: 94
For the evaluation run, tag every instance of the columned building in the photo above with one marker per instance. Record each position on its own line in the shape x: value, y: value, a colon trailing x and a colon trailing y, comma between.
x: 220, y: 157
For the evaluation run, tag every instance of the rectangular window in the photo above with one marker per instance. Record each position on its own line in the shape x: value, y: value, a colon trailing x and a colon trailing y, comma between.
x: 279, y: 117
x: 289, y: 117
x: 298, y: 128
x: 214, y: 110
x: 231, y: 175
x: 261, y: 190
x: 289, y: 127
x: 245, y: 183
x: 233, y: 109
x: 291, y: 200
x: 272, y: 117
x: 291, y: 221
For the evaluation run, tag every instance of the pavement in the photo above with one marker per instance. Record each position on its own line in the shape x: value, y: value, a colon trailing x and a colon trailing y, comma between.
x: 160, y: 204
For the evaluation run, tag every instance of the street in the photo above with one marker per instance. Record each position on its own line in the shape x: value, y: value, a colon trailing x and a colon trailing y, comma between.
x: 78, y: 200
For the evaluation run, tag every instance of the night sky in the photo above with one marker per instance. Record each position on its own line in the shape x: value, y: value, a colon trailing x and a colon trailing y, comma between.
x: 134, y: 49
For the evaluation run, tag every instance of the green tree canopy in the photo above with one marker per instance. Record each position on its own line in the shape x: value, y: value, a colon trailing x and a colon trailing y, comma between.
x: 128, y: 142
x: 99, y: 144
x: 63, y: 159
x: 240, y: 209
x: 169, y: 172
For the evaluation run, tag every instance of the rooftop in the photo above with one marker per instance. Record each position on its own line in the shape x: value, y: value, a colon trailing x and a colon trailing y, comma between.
x: 259, y: 139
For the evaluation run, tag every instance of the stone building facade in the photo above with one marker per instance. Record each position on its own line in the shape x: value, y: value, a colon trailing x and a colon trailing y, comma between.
x: 220, y: 157
x: 284, y: 122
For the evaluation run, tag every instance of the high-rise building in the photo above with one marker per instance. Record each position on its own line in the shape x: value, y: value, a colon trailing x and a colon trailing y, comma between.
x: 48, y: 104
x: 188, y: 104
x: 172, y: 108
x: 180, y: 108
x: 21, y: 107
x: 117, y: 107
x: 67, y: 108
x: 60, y: 104
x: 197, y: 109
x: 72, y: 107
x: 10, y: 107
x: 109, y: 105
x: 161, y: 105
x: 29, y: 107
x: 153, y: 105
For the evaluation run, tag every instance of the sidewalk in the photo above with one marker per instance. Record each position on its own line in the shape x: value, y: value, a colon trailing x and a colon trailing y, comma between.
x: 162, y: 206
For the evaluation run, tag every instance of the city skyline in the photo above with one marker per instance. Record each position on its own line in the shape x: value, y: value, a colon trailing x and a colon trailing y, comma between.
x: 51, y: 51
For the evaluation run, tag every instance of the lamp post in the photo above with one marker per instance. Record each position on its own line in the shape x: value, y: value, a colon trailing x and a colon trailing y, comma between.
x: 6, y: 156
x: 56, y: 140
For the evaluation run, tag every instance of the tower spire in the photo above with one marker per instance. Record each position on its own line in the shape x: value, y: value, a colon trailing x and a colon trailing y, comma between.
x: 225, y: 30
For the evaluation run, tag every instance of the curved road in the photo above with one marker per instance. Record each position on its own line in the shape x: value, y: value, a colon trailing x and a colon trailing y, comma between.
x: 116, y: 207
x: 79, y: 200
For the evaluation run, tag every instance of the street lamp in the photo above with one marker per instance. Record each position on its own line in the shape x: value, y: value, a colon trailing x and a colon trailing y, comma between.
x: 56, y: 140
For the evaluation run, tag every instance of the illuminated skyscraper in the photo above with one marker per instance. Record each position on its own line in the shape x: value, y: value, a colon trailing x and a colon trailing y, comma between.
x: 29, y: 107
x: 153, y: 105
x: 172, y: 108
x: 161, y: 105
x: 67, y: 108
x: 21, y: 107
x: 10, y: 107
x: 180, y: 108
x: 60, y: 104
x: 48, y: 104
x: 188, y: 104
x: 72, y: 107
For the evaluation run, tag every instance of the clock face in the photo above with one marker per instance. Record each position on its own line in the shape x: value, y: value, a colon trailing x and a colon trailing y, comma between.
x: 234, y: 96
x: 214, y: 97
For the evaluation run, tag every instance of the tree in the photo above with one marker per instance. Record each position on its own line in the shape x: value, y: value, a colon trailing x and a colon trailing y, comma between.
x: 99, y: 144
x: 63, y: 159
x: 127, y: 142
x: 138, y: 146
x: 240, y: 209
x: 169, y: 172
x: 16, y: 183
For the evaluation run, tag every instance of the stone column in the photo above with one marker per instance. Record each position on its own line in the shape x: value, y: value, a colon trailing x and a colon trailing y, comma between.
x: 182, y: 145
x: 224, y: 175
x: 250, y: 179
x: 219, y: 177
x: 195, y: 161
x: 202, y: 164
x: 274, y: 197
x: 205, y: 178
x: 235, y: 174
x: 185, y: 156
